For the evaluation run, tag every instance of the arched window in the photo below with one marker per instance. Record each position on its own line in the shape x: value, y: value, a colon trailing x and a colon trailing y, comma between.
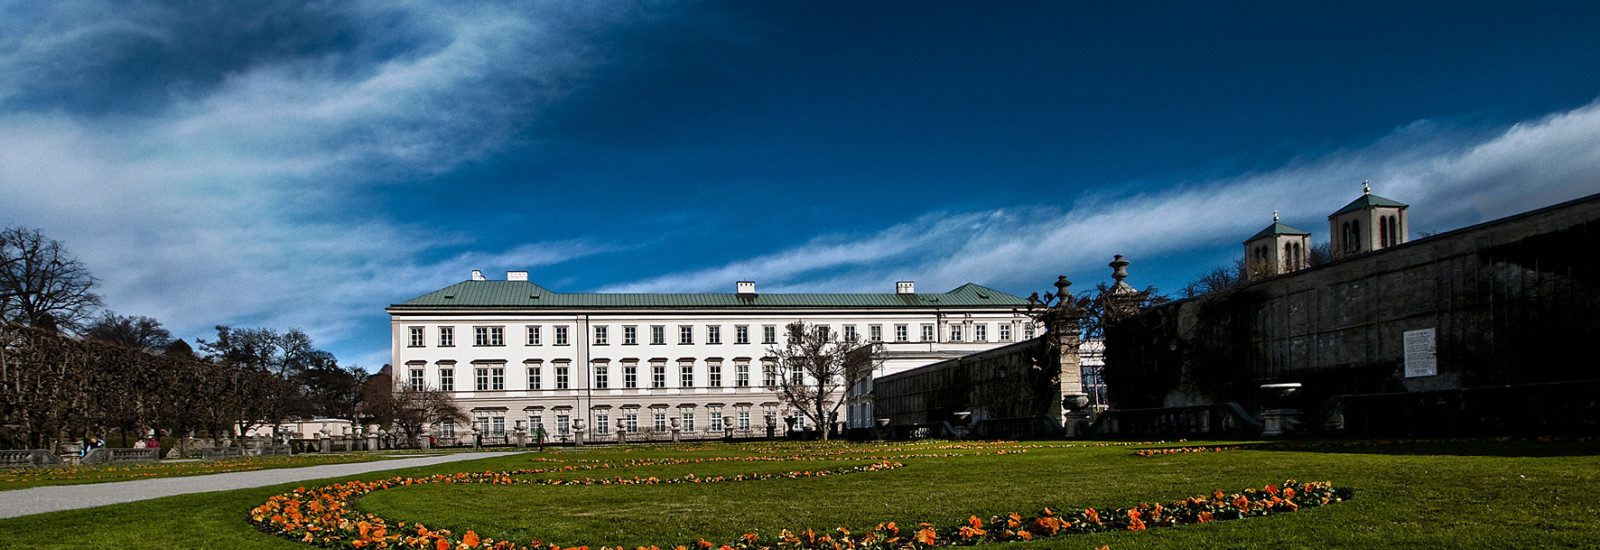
x: 1394, y: 229
x: 1355, y: 235
x: 1383, y: 231
x: 1344, y: 237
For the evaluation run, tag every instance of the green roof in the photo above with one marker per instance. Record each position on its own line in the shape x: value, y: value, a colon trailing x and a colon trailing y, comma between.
x: 1367, y: 200
x: 1276, y: 229
x: 526, y: 295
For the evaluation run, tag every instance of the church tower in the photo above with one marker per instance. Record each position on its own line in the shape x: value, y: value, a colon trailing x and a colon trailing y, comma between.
x: 1368, y: 223
x: 1275, y: 250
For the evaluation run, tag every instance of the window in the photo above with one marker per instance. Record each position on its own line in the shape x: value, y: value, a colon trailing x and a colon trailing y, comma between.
x: 769, y: 334
x: 447, y: 379
x: 686, y: 375
x: 535, y: 335
x: 685, y: 334
x: 741, y: 334
x: 1005, y: 332
x: 488, y: 336
x: 497, y: 426
x: 630, y: 376
x: 716, y: 419
x: 416, y: 337
x: 714, y: 374
x: 955, y: 332
x: 482, y: 378
x: 630, y: 335
x: 600, y: 336
x: 658, y: 376
x: 602, y: 424
x: 561, y: 377
x: 687, y: 418
x: 901, y: 333
x: 447, y: 428
x: 630, y: 422
x: 875, y: 333
x: 483, y: 425
x: 447, y: 337
x: 980, y: 333
x: 823, y: 332
x: 713, y: 334
x: 497, y: 378
x: 658, y: 419
x: 602, y: 377
x: 416, y: 379
x: 564, y: 425
x: 744, y: 418
x: 658, y: 334
x: 850, y: 333
x: 927, y: 333
x: 534, y: 377
x: 741, y: 375
x: 535, y: 422
x: 561, y: 335
x: 798, y: 377
x: 769, y: 374
x: 1028, y: 330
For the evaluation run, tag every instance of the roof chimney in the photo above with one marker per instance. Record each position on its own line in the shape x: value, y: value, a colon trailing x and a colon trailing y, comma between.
x: 516, y: 275
x: 905, y: 287
x: 746, y: 287
x: 477, y: 275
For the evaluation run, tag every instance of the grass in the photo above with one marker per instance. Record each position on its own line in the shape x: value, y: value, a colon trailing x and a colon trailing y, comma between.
x: 1481, y: 494
x: 21, y: 478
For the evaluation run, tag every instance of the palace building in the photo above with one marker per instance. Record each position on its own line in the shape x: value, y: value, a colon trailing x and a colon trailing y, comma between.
x: 515, y: 354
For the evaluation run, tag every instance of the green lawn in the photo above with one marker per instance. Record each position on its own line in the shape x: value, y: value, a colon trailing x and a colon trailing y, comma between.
x: 1481, y: 494
x: 19, y: 478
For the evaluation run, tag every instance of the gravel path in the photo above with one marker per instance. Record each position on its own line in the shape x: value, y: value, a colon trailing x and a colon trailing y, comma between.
x: 38, y: 500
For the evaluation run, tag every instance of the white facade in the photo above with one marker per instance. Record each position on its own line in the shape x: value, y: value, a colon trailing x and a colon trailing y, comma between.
x: 513, y: 353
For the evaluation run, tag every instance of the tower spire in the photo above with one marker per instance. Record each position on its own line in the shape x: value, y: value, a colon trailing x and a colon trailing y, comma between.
x: 1366, y: 187
x: 1274, y: 216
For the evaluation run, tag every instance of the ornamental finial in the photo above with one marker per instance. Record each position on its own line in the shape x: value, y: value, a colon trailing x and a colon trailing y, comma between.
x: 1366, y: 187
x: 1274, y: 216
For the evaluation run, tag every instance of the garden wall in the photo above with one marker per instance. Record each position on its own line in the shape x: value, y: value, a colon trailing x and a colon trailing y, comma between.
x: 1511, y: 302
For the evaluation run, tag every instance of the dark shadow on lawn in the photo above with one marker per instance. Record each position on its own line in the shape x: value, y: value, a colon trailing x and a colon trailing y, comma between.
x: 1509, y: 447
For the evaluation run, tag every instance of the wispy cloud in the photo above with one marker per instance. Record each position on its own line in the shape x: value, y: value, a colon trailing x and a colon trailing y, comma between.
x: 230, y: 190
x: 1453, y: 177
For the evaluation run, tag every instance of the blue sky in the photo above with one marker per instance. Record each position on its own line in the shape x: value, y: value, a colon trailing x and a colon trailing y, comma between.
x: 305, y: 164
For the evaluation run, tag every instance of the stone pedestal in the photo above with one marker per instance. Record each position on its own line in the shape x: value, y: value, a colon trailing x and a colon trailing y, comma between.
x: 578, y: 428
x: 675, y: 429
x: 425, y: 438
x: 521, y: 433
x: 1278, y: 422
x: 326, y: 444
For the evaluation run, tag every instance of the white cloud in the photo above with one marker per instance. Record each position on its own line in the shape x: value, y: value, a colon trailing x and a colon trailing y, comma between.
x: 234, y: 205
x: 1451, y: 177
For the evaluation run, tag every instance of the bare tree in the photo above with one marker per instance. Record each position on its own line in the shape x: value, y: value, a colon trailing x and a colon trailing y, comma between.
x: 136, y: 332
x: 40, y: 284
x: 813, y: 369
x: 1217, y: 280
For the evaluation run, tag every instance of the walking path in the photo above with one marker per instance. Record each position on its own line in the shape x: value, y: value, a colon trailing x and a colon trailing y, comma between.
x: 38, y: 500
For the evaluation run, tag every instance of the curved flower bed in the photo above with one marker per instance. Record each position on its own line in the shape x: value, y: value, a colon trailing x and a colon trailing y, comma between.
x: 325, y: 516
x: 1178, y: 451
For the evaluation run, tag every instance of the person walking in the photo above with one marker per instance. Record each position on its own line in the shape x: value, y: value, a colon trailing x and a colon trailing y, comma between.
x: 540, y: 433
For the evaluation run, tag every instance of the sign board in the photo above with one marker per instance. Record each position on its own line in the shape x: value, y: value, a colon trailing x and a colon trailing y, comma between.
x: 1422, y: 357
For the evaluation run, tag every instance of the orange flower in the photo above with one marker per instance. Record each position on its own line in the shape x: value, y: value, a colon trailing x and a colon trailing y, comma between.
x: 975, y: 522
x: 1093, y: 515
x: 440, y: 544
x: 470, y: 539
x: 927, y: 536
x: 1205, y: 517
x: 1135, y: 525
x: 1024, y: 534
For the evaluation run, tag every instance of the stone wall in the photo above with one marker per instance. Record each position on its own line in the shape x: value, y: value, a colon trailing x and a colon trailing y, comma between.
x: 1513, y: 301
x: 1011, y: 383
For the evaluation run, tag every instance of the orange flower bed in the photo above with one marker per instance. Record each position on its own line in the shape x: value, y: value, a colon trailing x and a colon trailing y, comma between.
x: 1178, y: 450
x: 324, y: 515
